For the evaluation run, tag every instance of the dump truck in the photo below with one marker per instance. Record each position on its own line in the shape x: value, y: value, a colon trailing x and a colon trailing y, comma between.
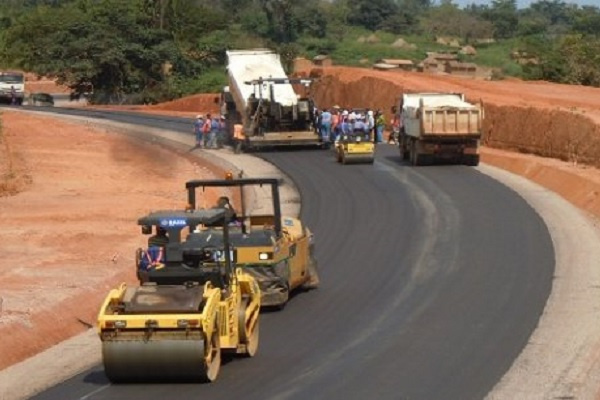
x: 12, y: 85
x: 192, y: 305
x: 276, y: 250
x: 440, y: 126
x: 261, y: 106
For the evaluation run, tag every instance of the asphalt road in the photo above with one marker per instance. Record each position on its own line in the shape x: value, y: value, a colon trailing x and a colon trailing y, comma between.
x: 433, y: 279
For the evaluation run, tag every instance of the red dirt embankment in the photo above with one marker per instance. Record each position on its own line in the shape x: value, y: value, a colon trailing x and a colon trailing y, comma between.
x: 70, y: 196
x: 541, y: 118
x: 185, y: 107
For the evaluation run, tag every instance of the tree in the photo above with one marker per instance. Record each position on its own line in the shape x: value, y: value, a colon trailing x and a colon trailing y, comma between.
x: 582, y: 55
x: 282, y: 23
x: 587, y: 21
x: 371, y: 13
x: 103, y: 45
x: 502, y: 14
x: 448, y: 19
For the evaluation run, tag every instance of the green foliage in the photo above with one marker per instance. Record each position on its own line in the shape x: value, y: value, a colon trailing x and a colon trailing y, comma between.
x: 210, y: 81
x: 154, y: 50
x: 449, y: 20
x: 314, y: 46
x: 582, y: 56
x: 255, y: 20
x: 371, y: 14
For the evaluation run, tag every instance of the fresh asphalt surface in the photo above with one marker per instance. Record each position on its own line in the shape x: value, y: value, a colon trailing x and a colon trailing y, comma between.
x: 433, y: 279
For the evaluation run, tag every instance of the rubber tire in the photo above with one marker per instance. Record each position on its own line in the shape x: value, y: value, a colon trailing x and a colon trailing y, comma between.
x: 415, y: 158
x: 313, y: 280
x: 237, y: 147
x: 472, y: 160
x: 282, y: 305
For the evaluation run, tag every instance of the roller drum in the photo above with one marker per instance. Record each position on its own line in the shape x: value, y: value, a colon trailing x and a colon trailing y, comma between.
x: 358, y: 158
x: 154, y: 360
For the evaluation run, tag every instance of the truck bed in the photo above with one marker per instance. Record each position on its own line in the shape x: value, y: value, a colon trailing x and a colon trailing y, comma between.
x: 248, y: 65
x: 437, y: 115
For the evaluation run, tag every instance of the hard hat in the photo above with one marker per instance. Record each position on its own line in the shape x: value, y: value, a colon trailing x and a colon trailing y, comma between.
x: 345, y: 112
x: 199, y: 116
x: 370, y: 113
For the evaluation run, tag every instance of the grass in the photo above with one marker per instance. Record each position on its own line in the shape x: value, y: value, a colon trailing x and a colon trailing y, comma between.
x: 350, y: 51
x: 497, y: 55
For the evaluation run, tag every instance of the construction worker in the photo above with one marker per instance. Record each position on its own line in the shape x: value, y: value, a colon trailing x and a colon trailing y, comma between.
x: 198, y: 124
x: 213, y: 136
x: 335, y: 121
x: 222, y: 132
x: 160, y: 239
x: 223, y: 202
x: 154, y: 256
x: 379, y: 126
x: 325, y: 125
x: 360, y: 127
x: 371, y: 123
x: 206, y: 130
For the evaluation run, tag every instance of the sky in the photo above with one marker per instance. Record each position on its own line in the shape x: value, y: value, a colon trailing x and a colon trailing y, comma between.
x: 526, y: 3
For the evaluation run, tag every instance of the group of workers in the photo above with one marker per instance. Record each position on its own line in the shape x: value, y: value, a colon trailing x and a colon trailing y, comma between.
x: 331, y: 124
x: 209, y: 131
x: 334, y: 123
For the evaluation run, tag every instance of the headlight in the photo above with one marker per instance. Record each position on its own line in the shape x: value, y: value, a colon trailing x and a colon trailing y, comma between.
x: 186, y: 323
x: 116, y: 324
x: 358, y: 139
x: 263, y: 255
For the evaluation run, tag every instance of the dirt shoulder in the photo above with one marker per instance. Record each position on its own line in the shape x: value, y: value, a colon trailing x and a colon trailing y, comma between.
x: 69, y: 198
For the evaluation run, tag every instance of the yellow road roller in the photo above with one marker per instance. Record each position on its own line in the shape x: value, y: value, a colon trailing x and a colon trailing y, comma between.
x: 276, y: 250
x: 355, y: 148
x: 192, y: 304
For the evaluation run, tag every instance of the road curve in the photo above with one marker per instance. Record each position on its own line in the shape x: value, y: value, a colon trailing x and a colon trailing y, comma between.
x: 433, y: 280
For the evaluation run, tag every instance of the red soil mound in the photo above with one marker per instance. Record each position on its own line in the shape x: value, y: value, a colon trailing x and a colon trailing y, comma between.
x: 542, y: 118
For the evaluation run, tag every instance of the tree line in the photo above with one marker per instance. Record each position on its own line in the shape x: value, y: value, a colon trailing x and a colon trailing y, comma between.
x: 146, y: 51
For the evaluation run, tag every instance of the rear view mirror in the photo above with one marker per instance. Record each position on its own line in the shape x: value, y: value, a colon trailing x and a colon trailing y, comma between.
x: 146, y: 229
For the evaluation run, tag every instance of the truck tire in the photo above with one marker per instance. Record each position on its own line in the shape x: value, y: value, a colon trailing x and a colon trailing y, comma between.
x: 403, y: 147
x: 472, y: 160
x: 237, y: 147
x: 416, y: 159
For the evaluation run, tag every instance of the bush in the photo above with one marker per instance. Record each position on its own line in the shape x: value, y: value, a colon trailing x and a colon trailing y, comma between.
x: 211, y: 81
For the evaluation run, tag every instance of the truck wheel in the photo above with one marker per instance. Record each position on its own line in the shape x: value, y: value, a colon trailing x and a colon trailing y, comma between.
x: 472, y: 160
x: 313, y: 280
x: 404, y: 151
x: 285, y: 298
x: 415, y: 158
x: 237, y: 147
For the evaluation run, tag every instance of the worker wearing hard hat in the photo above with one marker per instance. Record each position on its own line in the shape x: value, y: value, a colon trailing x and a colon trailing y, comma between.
x: 198, y: 124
